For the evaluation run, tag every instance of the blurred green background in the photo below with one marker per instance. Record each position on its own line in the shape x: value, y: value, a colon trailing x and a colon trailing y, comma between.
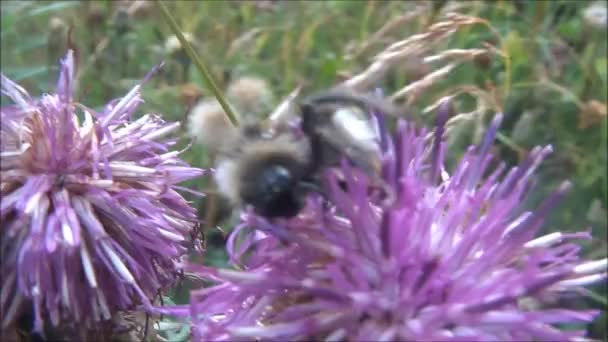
x: 557, y: 74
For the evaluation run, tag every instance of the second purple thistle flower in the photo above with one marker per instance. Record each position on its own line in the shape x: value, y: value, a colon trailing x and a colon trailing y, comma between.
x: 456, y: 257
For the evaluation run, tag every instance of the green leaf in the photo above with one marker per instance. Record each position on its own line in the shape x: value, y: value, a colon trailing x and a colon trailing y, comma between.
x: 8, y: 24
x: 328, y: 68
x: 20, y: 74
x: 306, y: 40
x: 516, y: 49
x: 523, y: 127
x: 601, y: 66
x: 31, y: 44
x: 55, y: 6
x: 570, y: 30
x: 598, y: 298
x: 260, y: 42
x: 181, y: 335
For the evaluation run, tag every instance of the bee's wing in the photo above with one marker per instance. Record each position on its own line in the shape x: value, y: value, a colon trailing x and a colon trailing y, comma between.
x: 340, y: 121
x: 345, y: 96
x: 350, y: 134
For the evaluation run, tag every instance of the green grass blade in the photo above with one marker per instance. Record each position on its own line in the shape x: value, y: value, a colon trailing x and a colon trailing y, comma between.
x: 202, y: 67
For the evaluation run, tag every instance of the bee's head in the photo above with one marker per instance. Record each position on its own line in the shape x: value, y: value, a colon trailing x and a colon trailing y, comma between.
x: 272, y: 188
x: 275, y: 193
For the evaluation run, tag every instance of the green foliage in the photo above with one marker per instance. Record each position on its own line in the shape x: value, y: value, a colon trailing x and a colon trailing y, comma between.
x: 556, y: 81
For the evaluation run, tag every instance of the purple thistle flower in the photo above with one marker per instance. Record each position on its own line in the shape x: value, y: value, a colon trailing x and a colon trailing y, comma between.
x: 453, y: 259
x: 91, y: 219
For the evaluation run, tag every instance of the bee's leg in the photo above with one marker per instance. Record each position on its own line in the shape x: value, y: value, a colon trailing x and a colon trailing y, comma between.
x: 388, y: 195
x: 306, y: 186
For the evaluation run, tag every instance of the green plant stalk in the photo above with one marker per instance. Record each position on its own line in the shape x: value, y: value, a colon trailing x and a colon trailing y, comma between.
x: 587, y: 60
x: 198, y: 62
x: 286, y: 56
x: 510, y: 143
x: 597, y: 297
x: 369, y: 9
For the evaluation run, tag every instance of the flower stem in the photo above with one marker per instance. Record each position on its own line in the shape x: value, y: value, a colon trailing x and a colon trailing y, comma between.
x: 197, y: 61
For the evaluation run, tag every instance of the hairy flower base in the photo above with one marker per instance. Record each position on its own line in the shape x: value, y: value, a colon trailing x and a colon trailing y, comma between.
x: 91, y: 219
x: 453, y: 259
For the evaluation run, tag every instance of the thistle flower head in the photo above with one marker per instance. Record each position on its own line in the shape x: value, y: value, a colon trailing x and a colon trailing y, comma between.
x: 91, y: 219
x: 454, y: 258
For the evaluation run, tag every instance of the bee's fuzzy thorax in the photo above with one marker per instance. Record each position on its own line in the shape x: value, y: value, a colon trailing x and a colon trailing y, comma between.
x: 233, y: 172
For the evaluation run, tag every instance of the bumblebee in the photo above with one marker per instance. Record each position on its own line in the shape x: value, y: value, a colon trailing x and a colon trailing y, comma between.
x: 273, y: 164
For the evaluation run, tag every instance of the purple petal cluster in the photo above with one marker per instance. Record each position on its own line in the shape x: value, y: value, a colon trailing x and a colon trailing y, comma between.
x: 92, y: 221
x: 455, y: 257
